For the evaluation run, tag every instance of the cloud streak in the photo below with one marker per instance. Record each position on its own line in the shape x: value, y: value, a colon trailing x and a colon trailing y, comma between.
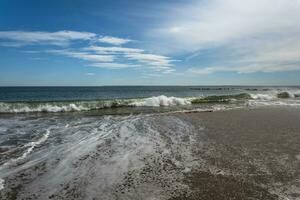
x: 113, y: 65
x: 112, y: 50
x: 84, y: 55
x: 90, y: 74
x: 113, y: 56
x: 267, y: 68
x: 113, y: 40
x: 151, y: 61
x: 60, y: 38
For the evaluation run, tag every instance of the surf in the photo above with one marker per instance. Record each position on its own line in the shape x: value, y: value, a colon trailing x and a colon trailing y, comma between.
x: 289, y: 97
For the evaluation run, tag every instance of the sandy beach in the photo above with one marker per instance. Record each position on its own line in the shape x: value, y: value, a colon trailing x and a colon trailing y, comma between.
x: 255, y: 152
x: 149, y: 100
x: 234, y: 154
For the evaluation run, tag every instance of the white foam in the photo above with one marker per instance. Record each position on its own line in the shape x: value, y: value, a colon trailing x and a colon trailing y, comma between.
x: 31, y: 146
x: 10, y: 107
x: 263, y: 96
x: 273, y: 94
x: 162, y: 101
x: 293, y: 103
x: 24, y: 108
x: 1, y: 184
x: 294, y: 93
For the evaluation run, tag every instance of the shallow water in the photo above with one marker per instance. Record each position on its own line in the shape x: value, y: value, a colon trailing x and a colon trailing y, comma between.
x: 67, y: 152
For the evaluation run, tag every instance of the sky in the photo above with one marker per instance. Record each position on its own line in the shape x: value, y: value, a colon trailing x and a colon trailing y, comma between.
x: 132, y: 42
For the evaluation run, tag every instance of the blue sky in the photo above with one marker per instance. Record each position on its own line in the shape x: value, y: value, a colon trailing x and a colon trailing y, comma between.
x: 215, y: 42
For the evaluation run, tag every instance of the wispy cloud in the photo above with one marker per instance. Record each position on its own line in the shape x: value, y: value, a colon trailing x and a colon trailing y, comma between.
x: 113, y: 65
x: 84, y: 55
x: 113, y: 40
x: 149, y: 75
x: 60, y: 38
x: 150, y: 59
x: 269, y: 56
x: 216, y: 22
x: 247, y: 69
x: 90, y: 74
x: 105, y: 57
x: 112, y: 50
x: 110, y: 57
x: 262, y: 35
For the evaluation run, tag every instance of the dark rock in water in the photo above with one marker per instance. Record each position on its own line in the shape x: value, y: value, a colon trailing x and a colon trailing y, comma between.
x: 221, y: 99
x: 283, y: 95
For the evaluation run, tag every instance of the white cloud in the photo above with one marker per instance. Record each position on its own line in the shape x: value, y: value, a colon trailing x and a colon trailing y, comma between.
x: 113, y: 50
x: 215, y: 22
x: 168, y: 71
x: 113, y: 40
x: 90, y: 74
x: 21, y: 38
x: 270, y: 56
x: 150, y: 59
x: 113, y: 65
x: 113, y: 57
x: 205, y: 71
x: 252, y: 35
x: 61, y: 38
x: 149, y: 75
x: 251, y: 68
x: 84, y: 56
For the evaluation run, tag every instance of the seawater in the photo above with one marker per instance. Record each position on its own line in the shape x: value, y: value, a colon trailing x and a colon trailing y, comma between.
x: 127, y: 98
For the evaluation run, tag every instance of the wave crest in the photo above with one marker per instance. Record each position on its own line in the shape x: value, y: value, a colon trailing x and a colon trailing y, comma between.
x: 162, y: 101
x: 155, y: 101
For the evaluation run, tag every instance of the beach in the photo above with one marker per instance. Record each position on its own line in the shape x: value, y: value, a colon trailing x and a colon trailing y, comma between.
x: 248, y: 153
x: 150, y: 100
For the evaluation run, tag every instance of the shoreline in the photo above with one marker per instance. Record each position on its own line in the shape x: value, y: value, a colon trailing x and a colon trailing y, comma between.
x: 247, y: 153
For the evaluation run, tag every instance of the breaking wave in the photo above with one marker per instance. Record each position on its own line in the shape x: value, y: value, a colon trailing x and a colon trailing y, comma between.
x: 156, y: 101
x: 162, y: 101
x: 59, y: 106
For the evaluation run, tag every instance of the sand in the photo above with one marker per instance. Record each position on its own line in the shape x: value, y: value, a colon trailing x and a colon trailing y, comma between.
x: 256, y: 153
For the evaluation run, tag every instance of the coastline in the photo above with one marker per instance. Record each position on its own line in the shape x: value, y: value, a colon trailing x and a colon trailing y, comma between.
x: 231, y: 154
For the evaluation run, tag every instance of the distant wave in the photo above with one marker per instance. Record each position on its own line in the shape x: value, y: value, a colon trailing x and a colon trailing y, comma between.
x: 156, y: 101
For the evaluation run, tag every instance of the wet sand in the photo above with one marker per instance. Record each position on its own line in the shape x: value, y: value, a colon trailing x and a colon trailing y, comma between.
x: 235, y: 154
x: 256, y: 154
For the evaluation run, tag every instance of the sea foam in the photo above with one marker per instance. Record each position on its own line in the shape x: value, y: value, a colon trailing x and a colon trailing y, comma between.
x: 162, y: 101
x: 1, y: 184
x: 30, y: 146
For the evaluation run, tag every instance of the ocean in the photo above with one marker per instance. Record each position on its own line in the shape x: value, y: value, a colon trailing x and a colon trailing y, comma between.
x: 110, y: 98
x: 124, y: 142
